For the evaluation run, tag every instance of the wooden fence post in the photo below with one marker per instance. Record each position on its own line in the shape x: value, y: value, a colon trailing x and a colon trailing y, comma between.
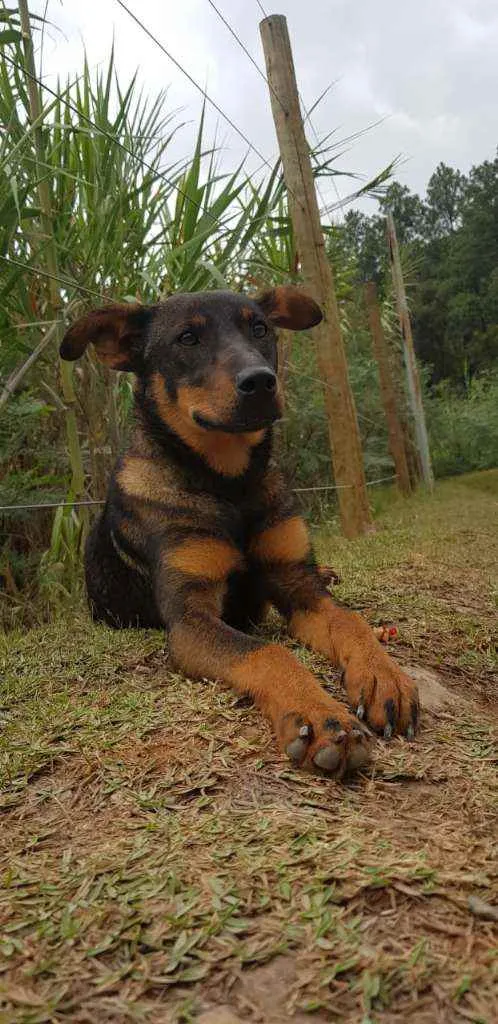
x: 344, y: 435
x: 387, y: 389
x: 397, y: 360
x: 412, y: 374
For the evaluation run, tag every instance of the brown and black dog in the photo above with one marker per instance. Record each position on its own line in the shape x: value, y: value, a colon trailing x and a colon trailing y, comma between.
x: 199, y: 531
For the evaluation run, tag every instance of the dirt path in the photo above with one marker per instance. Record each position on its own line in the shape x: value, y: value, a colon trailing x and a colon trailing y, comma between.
x: 161, y: 863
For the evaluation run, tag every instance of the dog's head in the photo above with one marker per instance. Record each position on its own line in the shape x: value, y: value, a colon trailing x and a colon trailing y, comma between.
x: 207, y: 359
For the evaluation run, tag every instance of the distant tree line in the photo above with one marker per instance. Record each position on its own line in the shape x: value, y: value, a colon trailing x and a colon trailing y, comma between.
x: 449, y: 242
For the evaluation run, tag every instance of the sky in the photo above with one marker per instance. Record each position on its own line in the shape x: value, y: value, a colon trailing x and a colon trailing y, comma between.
x: 426, y: 70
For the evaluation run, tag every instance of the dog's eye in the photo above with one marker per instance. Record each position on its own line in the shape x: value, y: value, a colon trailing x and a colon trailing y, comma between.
x: 187, y: 338
x: 259, y: 329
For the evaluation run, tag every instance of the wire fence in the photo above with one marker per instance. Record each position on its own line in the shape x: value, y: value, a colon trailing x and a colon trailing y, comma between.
x: 64, y: 281
x: 102, y: 501
x: 237, y: 38
x: 174, y: 185
x: 107, y: 134
x: 226, y: 117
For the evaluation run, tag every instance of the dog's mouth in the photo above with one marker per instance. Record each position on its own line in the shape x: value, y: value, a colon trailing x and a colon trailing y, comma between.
x: 248, y: 425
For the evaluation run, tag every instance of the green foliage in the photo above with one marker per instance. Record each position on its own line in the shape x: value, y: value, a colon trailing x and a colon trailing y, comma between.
x: 463, y: 425
x: 450, y: 257
x: 306, y: 452
x: 445, y: 199
x: 462, y: 418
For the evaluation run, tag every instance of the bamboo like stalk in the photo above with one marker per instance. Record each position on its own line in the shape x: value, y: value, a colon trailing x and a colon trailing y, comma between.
x: 17, y: 375
x: 48, y: 252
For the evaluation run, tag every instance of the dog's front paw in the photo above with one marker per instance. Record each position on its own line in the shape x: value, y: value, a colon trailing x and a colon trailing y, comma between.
x: 324, y: 736
x: 382, y: 695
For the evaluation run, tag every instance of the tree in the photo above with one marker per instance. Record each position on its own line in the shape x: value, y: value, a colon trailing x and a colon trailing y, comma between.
x: 407, y: 210
x: 449, y: 242
x: 365, y: 237
x: 445, y: 197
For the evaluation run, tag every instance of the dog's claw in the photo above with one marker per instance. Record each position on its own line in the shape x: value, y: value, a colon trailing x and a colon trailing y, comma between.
x: 388, y: 731
x: 328, y: 759
x: 360, y: 711
x: 410, y: 732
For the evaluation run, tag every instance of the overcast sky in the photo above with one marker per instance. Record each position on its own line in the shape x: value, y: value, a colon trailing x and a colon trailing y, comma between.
x: 429, y: 68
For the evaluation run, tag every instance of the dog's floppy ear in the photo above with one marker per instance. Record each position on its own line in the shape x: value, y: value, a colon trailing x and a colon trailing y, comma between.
x: 117, y: 332
x: 289, y: 307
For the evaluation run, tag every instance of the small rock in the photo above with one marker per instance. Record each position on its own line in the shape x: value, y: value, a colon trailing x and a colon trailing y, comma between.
x: 433, y: 695
x: 480, y: 908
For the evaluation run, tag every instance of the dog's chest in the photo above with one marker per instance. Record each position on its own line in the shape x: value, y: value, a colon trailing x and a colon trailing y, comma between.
x: 242, y: 523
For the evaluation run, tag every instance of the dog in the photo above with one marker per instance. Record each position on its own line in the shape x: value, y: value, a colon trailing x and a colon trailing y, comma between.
x: 199, y: 531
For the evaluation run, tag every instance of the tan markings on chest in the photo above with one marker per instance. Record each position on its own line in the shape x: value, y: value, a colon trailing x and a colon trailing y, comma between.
x: 205, y: 557
x: 141, y: 478
x: 288, y: 541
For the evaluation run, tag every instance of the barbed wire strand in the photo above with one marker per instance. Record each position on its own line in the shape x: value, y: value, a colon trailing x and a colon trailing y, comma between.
x: 193, y: 82
x: 66, y: 282
x: 290, y: 368
x: 52, y: 504
x: 102, y: 501
x: 343, y: 487
x: 109, y: 135
x: 306, y: 112
x: 262, y: 75
x: 32, y: 323
x: 243, y: 47
x: 143, y: 163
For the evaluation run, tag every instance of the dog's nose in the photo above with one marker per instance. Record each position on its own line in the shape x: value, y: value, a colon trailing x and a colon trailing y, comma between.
x: 257, y: 382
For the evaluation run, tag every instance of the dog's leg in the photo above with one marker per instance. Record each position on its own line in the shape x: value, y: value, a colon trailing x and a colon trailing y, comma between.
x: 312, y: 728
x: 378, y: 690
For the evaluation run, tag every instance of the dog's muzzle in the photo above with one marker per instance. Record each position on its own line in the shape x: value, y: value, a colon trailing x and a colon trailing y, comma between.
x: 257, y: 404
